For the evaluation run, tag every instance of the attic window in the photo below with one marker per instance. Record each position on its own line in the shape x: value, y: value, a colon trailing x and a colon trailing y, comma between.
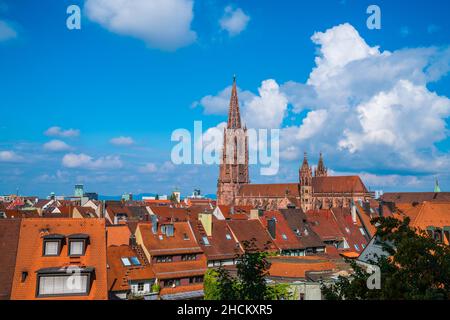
x: 52, y: 244
x: 185, y: 236
x: 228, y: 236
x: 205, y: 241
x: 126, y: 262
x: 356, y: 247
x: 135, y: 261
x: 362, y: 231
x: 284, y: 236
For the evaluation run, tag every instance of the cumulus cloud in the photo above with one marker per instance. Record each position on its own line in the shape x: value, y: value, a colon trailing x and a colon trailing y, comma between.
x: 72, y: 160
x: 59, y: 132
x: 56, y: 145
x: 268, y: 109
x: 122, y: 141
x: 365, y: 108
x: 219, y: 103
x: 234, y: 21
x: 7, y: 32
x: 9, y: 156
x: 265, y: 110
x: 370, y: 107
x: 162, y: 24
x: 148, y: 168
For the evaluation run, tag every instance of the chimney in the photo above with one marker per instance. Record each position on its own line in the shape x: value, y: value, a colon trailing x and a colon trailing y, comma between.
x: 353, y: 210
x: 132, y: 241
x: 271, y: 227
x: 255, y: 214
x: 380, y: 208
x: 206, y: 220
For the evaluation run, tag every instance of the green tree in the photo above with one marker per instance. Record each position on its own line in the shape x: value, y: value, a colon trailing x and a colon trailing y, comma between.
x: 416, y: 267
x: 250, y: 280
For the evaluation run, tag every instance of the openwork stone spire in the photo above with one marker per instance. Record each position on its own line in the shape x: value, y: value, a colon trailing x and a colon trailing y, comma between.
x: 321, y: 170
x: 234, y: 116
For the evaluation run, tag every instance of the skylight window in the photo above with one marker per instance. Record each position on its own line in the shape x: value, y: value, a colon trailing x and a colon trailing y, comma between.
x: 284, y: 236
x: 347, y: 230
x: 362, y: 231
x: 228, y: 236
x: 356, y: 247
x: 135, y: 261
x: 205, y: 241
x: 126, y: 262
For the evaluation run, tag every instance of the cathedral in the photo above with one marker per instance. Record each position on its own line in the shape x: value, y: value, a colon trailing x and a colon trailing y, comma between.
x: 318, y: 191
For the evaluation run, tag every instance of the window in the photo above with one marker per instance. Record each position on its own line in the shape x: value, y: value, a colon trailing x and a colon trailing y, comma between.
x: 195, y: 279
x: 356, y: 247
x: 185, y: 236
x: 76, y: 248
x: 63, y: 285
x: 205, y: 241
x: 172, y: 283
x: 188, y: 257
x: 135, y: 261
x: 362, y: 231
x: 126, y: 262
x: 140, y: 286
x: 347, y: 230
x: 51, y: 248
x: 228, y: 236
x: 284, y: 236
x: 164, y: 259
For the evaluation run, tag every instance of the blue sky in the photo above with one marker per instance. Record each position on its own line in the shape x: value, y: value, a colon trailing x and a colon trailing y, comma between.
x: 141, y: 80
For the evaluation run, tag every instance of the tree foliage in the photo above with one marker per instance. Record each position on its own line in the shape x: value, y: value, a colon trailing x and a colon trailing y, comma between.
x: 249, y: 283
x: 416, y: 267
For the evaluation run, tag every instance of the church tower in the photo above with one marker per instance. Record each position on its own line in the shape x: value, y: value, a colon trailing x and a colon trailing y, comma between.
x: 305, y: 176
x: 233, y: 169
x: 321, y: 171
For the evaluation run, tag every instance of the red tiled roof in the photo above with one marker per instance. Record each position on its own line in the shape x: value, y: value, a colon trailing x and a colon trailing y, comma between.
x: 324, y: 224
x: 30, y: 259
x: 338, y: 184
x: 410, y: 197
x: 284, y: 237
x: 180, y: 269
x: 120, y: 275
x: 296, y: 267
x: 118, y: 235
x: 9, y: 239
x: 269, y: 190
x: 159, y: 244
x: 253, y: 233
x: 219, y: 246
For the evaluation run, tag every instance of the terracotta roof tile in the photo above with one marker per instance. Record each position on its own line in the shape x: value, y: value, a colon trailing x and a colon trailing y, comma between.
x: 30, y: 259
x: 9, y: 239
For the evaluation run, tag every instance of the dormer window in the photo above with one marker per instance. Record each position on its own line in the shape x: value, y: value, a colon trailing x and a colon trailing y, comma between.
x: 77, y: 244
x: 52, y: 244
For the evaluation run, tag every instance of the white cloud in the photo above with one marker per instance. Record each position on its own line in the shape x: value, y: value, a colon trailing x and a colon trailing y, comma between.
x: 148, y: 168
x: 122, y: 141
x: 9, y: 156
x: 220, y: 103
x: 265, y: 110
x: 268, y: 109
x: 59, y: 132
x: 369, y: 108
x: 162, y: 24
x: 234, y: 21
x: 56, y: 145
x: 7, y: 32
x: 72, y: 160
